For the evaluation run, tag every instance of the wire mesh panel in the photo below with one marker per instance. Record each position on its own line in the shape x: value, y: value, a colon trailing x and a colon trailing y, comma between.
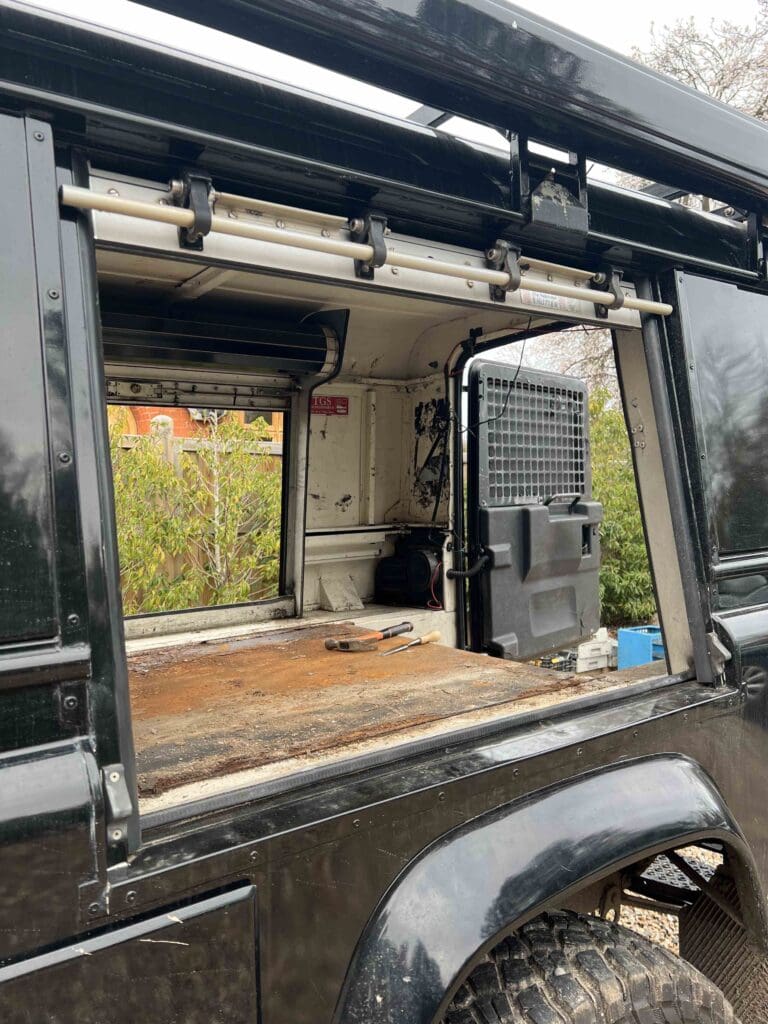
x: 532, y: 429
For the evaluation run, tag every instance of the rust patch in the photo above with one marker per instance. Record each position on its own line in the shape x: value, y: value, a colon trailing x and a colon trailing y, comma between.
x: 211, y: 709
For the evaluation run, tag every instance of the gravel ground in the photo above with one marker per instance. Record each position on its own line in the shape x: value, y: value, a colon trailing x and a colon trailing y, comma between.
x: 663, y: 928
x: 659, y: 928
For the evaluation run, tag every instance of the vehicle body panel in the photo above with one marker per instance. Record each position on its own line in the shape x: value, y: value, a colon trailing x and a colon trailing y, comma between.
x: 323, y: 850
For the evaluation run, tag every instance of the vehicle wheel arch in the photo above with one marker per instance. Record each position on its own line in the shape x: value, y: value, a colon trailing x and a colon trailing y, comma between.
x: 430, y: 930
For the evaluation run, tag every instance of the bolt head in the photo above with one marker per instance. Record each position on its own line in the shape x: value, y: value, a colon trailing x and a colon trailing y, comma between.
x: 117, y: 835
x: 53, y: 293
x: 93, y: 909
x: 73, y: 620
x: 38, y: 136
x: 70, y: 702
x: 131, y: 896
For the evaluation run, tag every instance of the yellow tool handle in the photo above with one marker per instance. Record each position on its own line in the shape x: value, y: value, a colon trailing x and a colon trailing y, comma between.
x: 430, y: 638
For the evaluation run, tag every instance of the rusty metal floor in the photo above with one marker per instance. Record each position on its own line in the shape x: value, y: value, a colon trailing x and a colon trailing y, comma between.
x: 210, y: 709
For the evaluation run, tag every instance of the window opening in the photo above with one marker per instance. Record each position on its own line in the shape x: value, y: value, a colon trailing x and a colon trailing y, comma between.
x: 198, y: 501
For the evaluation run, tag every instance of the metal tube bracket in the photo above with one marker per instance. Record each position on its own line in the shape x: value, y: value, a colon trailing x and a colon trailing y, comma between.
x: 505, y: 258
x: 370, y: 230
x: 610, y: 279
x: 195, y: 195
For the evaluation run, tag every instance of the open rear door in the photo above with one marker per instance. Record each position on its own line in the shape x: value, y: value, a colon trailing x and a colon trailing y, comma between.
x: 530, y: 515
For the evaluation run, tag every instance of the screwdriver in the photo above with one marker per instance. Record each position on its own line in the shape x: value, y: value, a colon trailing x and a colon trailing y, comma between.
x: 428, y: 638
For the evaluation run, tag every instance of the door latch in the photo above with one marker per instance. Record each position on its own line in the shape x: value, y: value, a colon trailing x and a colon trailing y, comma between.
x: 119, y: 805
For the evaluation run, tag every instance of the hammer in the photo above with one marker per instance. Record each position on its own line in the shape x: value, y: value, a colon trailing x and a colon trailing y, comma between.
x: 368, y: 641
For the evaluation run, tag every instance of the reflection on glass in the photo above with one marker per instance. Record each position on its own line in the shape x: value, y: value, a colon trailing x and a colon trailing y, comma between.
x: 729, y: 341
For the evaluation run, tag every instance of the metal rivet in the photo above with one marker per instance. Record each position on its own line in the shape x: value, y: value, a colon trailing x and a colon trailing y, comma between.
x: 579, y: 751
x: 93, y: 909
x: 117, y: 835
x: 394, y: 270
x: 280, y: 223
x: 549, y: 277
x: 131, y: 896
x: 470, y: 284
x: 53, y: 293
x: 38, y: 136
x: 356, y: 823
x: 441, y: 796
x: 73, y: 620
x: 690, y: 366
x: 70, y: 702
x: 685, y: 717
x: 635, y: 733
x: 515, y: 771
x: 114, y: 776
x: 255, y: 855
x: 325, y: 233
x: 232, y: 214
x: 112, y: 192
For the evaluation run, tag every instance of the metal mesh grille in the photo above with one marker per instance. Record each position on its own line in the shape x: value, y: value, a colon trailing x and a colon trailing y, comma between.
x: 536, y: 440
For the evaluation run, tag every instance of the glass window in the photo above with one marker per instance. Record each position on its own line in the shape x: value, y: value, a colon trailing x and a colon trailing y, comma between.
x: 728, y: 340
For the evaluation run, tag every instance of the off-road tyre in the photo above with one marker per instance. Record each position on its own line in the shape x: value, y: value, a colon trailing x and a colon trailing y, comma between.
x: 566, y: 968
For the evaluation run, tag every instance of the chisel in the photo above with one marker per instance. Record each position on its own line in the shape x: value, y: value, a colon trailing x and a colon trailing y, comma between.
x: 428, y: 638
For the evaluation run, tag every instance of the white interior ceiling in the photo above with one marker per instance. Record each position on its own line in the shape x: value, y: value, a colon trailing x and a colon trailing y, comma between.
x: 390, y: 335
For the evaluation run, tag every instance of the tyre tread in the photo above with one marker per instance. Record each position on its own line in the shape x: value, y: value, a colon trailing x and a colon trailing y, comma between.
x: 568, y: 968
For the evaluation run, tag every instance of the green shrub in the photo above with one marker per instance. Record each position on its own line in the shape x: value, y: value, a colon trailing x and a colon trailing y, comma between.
x: 626, y: 590
x: 202, y: 528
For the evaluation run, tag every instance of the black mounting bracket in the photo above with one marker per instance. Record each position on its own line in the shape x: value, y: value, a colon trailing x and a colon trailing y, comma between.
x: 195, y: 196
x: 609, y: 280
x: 370, y: 230
x: 505, y: 257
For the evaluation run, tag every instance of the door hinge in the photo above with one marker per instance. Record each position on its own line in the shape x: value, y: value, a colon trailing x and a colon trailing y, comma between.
x: 119, y: 806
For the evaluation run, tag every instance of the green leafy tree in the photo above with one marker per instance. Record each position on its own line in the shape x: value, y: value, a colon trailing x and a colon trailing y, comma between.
x: 197, y: 527
x: 626, y: 589
x: 233, y: 501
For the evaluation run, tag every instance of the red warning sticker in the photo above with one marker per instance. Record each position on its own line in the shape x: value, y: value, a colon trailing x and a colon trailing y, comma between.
x: 330, y: 405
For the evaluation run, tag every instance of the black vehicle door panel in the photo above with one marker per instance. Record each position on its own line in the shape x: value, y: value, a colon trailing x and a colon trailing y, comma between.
x: 530, y: 512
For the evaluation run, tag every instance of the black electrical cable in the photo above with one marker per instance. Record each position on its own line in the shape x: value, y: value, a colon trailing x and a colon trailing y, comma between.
x: 491, y: 419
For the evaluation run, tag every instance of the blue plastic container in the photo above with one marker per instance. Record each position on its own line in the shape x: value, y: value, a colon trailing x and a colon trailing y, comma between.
x: 640, y: 645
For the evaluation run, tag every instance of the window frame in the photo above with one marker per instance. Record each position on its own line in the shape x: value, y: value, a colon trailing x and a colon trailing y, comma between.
x: 146, y: 624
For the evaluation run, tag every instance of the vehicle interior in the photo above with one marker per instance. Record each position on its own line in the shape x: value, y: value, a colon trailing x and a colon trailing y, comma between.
x: 399, y: 455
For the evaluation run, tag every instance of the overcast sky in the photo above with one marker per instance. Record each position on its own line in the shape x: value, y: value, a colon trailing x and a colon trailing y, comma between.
x: 617, y: 25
